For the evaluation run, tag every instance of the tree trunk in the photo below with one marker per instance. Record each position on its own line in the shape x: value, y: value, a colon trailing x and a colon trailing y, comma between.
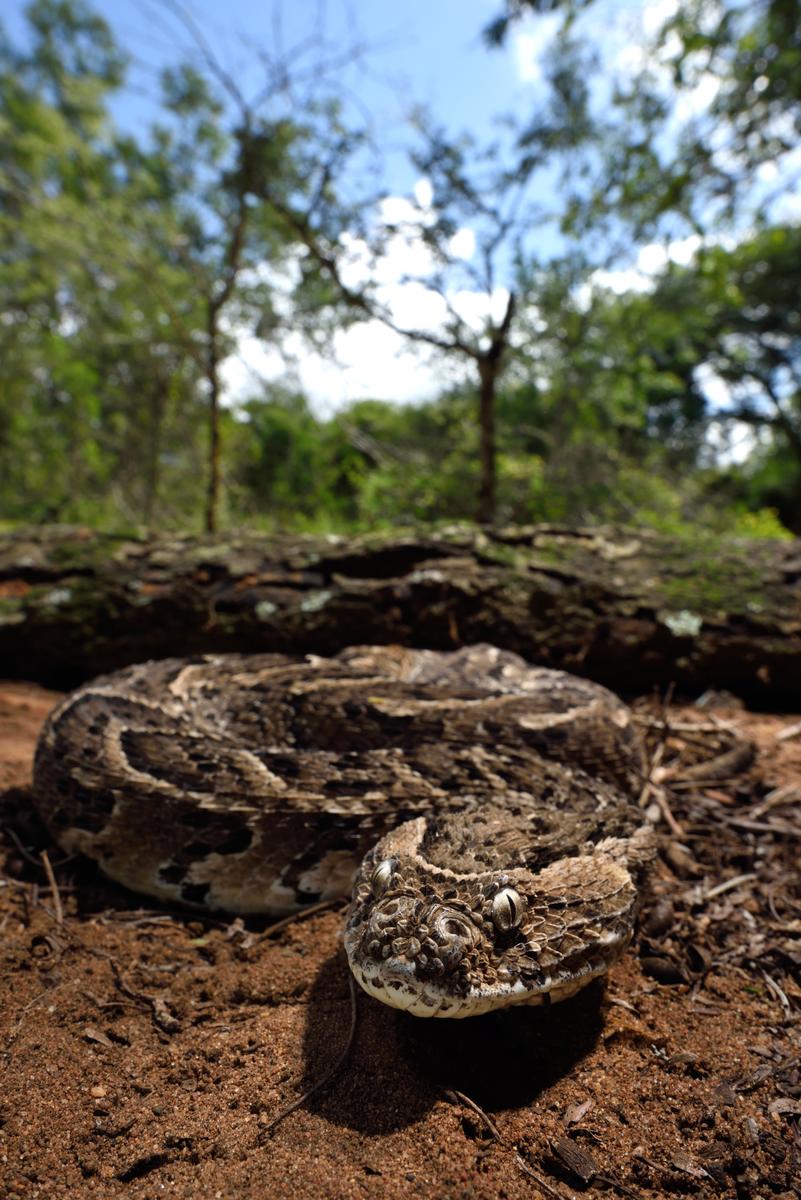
x: 152, y: 481
x: 785, y: 421
x: 488, y: 378
x: 631, y: 609
x: 213, y: 384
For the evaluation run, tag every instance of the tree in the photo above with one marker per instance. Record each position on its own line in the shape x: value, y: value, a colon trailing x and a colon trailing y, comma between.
x: 213, y: 165
x: 87, y: 373
x: 303, y: 472
x: 743, y: 306
x: 473, y: 216
x: 733, y: 70
x: 133, y: 264
x: 703, y: 139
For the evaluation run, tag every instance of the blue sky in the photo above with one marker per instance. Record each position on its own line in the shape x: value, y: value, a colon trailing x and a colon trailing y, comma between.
x: 427, y: 51
x: 418, y: 52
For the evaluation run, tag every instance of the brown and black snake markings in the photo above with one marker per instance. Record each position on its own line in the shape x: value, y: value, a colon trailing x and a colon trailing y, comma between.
x: 481, y: 811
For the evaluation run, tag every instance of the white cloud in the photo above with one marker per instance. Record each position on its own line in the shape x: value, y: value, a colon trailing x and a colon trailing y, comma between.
x: 475, y: 308
x: 788, y: 207
x: 400, y: 210
x: 623, y: 280
x: 463, y: 244
x: 527, y: 61
x: 413, y: 305
x: 369, y: 359
x: 651, y: 260
x: 529, y: 45
x: 683, y: 251
x: 716, y: 390
x: 404, y: 255
x: 629, y: 36
x: 767, y: 172
x: 655, y: 13
x: 787, y: 204
x: 656, y: 255
x: 697, y: 99
x: 423, y: 193
x: 732, y: 442
x: 244, y: 372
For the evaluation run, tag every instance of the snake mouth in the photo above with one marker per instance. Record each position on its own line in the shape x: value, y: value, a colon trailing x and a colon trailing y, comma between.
x: 395, y: 983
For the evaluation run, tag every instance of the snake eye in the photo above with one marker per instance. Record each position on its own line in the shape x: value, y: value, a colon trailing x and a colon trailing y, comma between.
x: 507, y: 909
x: 382, y: 876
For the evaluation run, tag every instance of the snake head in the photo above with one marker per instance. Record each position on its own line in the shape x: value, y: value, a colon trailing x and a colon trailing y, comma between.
x: 439, y: 943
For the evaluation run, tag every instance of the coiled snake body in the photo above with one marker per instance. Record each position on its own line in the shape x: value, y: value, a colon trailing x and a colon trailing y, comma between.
x: 479, y: 809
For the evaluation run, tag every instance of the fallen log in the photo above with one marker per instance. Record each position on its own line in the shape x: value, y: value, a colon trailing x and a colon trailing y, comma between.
x: 631, y: 609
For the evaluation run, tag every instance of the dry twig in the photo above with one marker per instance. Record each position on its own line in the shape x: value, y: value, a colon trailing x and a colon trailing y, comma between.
x: 460, y: 1098
x: 51, y: 879
x: 326, y: 1079
x: 302, y: 913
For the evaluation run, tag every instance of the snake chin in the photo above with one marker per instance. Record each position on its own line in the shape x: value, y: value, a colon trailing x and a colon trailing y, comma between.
x: 396, y: 985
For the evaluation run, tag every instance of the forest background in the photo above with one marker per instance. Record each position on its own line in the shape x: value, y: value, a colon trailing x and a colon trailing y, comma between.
x: 607, y: 288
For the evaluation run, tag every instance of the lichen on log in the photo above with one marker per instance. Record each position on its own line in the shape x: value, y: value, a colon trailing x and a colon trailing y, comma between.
x: 631, y: 609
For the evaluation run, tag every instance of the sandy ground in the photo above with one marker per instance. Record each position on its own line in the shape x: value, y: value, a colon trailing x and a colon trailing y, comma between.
x: 146, y: 1054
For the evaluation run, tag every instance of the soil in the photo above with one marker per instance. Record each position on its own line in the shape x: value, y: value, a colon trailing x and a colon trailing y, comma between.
x: 148, y: 1053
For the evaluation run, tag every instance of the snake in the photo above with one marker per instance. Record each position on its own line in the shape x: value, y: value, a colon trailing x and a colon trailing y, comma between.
x: 480, y: 811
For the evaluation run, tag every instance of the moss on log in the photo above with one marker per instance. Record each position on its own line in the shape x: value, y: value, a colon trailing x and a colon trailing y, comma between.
x: 631, y: 609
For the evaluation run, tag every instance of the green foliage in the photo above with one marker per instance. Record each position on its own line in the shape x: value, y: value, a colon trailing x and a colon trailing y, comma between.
x: 125, y: 264
x: 377, y: 465
x: 86, y: 374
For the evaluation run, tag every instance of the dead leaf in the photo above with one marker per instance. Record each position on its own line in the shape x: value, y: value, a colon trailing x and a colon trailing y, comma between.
x: 683, y: 1162
x: 575, y: 1112
x: 93, y: 1034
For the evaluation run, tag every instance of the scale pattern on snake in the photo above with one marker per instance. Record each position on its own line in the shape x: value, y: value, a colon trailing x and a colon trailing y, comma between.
x: 480, y: 810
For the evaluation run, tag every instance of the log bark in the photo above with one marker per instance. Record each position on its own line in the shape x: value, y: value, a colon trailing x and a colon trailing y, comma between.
x: 634, y: 610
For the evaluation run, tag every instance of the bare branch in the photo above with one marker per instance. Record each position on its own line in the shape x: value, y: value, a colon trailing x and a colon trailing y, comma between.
x: 208, y: 56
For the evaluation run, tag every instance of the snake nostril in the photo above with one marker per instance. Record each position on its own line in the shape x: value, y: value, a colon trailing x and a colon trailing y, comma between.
x: 453, y: 936
x: 449, y: 926
x: 395, y: 916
